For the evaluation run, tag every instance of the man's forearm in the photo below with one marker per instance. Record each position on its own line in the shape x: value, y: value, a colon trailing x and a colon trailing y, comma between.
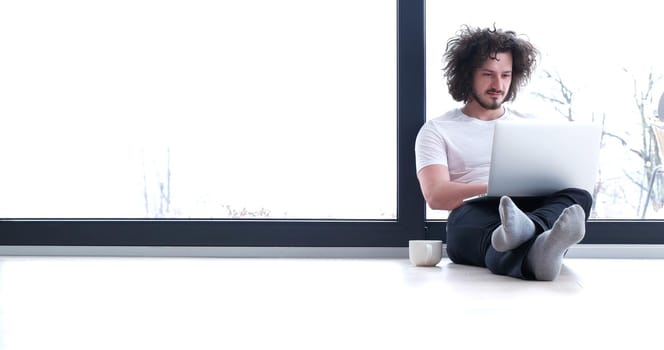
x: 450, y: 195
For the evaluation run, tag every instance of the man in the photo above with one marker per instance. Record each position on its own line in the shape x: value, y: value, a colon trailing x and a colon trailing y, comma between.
x: 524, y: 237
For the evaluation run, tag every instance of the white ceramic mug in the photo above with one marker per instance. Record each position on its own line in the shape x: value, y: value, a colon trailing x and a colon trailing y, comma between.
x: 425, y: 252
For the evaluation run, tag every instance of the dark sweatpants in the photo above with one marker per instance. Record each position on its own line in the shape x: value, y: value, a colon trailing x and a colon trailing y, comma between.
x: 469, y: 229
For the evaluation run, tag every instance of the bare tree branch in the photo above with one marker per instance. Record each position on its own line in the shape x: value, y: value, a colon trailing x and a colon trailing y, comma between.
x: 622, y: 140
x: 548, y: 98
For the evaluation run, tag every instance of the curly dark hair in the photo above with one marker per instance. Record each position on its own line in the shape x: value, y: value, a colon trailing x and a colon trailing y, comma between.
x: 471, y: 47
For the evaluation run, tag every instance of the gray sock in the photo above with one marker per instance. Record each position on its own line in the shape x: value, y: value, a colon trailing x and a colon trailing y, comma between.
x: 516, y: 227
x: 545, y: 257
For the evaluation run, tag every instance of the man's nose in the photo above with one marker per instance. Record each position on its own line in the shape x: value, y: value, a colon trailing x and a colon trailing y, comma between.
x: 496, y: 83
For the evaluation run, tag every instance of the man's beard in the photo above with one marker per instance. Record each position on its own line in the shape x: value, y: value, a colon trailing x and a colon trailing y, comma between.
x: 491, y: 105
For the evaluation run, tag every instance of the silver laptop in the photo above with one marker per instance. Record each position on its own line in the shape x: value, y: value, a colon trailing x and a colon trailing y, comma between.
x: 534, y: 158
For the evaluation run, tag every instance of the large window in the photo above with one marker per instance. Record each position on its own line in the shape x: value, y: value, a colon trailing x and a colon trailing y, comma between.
x: 209, y: 123
x: 198, y: 109
x: 607, y: 69
x: 270, y: 123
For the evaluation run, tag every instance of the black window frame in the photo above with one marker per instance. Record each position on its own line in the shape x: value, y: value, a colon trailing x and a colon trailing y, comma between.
x: 411, y: 214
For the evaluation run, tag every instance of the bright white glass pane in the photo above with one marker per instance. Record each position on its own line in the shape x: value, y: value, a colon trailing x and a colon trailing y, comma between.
x: 605, y: 62
x: 197, y: 108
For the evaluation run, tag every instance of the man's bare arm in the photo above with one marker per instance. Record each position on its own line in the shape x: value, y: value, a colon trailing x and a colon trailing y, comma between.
x: 443, y: 194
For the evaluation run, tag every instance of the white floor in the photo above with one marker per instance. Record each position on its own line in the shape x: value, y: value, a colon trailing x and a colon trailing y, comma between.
x: 215, y: 303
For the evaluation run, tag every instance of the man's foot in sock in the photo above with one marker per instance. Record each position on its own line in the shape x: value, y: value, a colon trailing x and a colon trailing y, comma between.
x: 545, y: 257
x: 516, y: 227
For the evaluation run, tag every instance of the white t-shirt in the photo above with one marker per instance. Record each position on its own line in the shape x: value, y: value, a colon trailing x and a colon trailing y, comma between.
x: 459, y: 142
